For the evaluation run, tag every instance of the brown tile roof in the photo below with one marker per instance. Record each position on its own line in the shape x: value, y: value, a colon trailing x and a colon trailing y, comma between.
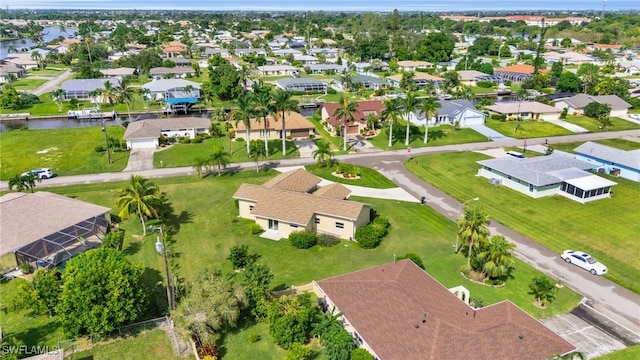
x: 364, y: 108
x: 295, y: 207
x: 335, y: 191
x: 26, y: 218
x: 294, y: 121
x: 418, y: 76
x: 173, y: 49
x: 516, y: 107
x: 402, y: 312
x: 519, y: 69
x: 299, y: 180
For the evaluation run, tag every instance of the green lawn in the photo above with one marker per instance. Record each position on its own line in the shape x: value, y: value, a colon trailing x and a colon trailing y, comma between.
x: 438, y: 136
x: 184, y: 154
x: 154, y: 344
x: 591, y: 124
x: 50, y: 107
x: 238, y: 348
x: 630, y: 353
x: 46, y: 72
x: 621, y: 144
x: 528, y: 128
x: 324, y: 135
x: 480, y: 90
x: 605, y: 228
x: 66, y: 151
x: 28, y: 83
x: 368, y: 177
x: 520, y: 150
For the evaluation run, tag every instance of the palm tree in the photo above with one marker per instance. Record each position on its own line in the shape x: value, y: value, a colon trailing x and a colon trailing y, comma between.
x: 220, y: 158
x: 256, y: 152
x: 124, y: 92
x: 543, y: 289
x: 29, y: 180
x: 429, y: 107
x: 11, y: 49
x: 243, y: 113
x: 406, y: 82
x: 391, y: 112
x: 472, y: 229
x: 201, y: 166
x: 409, y: 104
x: 141, y: 197
x: 497, y: 257
x: 244, y: 74
x: 109, y: 93
x: 262, y: 110
x: 282, y: 102
x: 58, y: 96
x: 37, y: 57
x: 346, y: 80
x: 144, y: 94
x: 344, y: 115
x: 220, y: 115
x: 322, y: 152
x: 18, y: 183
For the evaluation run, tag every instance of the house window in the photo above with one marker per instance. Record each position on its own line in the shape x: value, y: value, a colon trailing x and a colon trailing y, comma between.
x: 531, y: 187
x: 250, y: 207
x: 293, y: 225
x: 339, y: 225
x: 316, y: 221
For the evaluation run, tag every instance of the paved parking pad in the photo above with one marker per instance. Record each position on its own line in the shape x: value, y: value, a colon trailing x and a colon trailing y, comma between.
x: 589, y: 340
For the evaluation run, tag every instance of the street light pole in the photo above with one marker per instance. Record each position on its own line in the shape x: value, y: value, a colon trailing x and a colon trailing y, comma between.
x: 106, y: 141
x: 460, y: 215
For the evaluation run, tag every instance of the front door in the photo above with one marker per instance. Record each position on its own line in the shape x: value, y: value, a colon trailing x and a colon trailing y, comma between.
x: 273, y: 225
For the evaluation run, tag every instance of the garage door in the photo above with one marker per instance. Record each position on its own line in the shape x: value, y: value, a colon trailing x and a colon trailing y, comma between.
x: 300, y: 133
x: 353, y: 129
x: 473, y: 120
x: 143, y: 143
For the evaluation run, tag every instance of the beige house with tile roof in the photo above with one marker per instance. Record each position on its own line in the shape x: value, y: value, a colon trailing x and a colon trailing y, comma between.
x: 286, y: 204
x: 297, y: 126
x: 145, y: 134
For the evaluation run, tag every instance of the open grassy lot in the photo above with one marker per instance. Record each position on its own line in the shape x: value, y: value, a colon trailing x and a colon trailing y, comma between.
x: 438, y: 136
x: 46, y: 72
x: 592, y: 125
x: 528, y: 128
x: 50, y: 107
x: 630, y: 353
x: 65, y: 151
x: 368, y: 177
x: 28, y: 83
x: 621, y: 144
x: 184, y: 154
x: 606, y: 228
x: 153, y: 344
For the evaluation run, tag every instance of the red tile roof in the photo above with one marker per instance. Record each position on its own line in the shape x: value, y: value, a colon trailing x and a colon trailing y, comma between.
x: 402, y: 312
x: 364, y: 108
x: 518, y: 68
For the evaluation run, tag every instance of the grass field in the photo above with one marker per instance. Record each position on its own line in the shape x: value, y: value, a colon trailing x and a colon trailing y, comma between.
x: 438, y: 136
x: 184, y: 154
x: 368, y: 177
x: 528, y: 128
x: 324, y: 135
x: 592, y: 125
x: 46, y: 72
x: 606, y: 228
x: 153, y: 344
x: 28, y: 83
x: 630, y: 353
x: 66, y: 151
x: 50, y: 107
x: 621, y: 144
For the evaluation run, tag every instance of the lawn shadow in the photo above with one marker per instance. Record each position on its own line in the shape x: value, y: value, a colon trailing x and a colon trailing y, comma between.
x: 280, y: 287
x: 33, y: 334
x: 436, y: 134
x: 155, y: 285
x: 132, y: 249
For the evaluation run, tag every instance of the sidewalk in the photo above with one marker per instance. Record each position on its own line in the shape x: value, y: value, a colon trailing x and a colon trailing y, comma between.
x: 569, y: 126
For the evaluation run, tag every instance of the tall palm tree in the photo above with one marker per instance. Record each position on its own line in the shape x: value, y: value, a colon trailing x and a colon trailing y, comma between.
x: 472, y: 229
x: 58, y: 96
x: 409, y: 104
x: 322, y: 153
x: 244, y: 74
x: 497, y: 257
x: 220, y: 115
x: 109, y: 93
x: 256, y: 152
x: 344, y: 115
x: 391, y: 112
x: 346, y: 80
x: 282, y: 103
x: 220, y: 158
x: 37, y: 57
x: 125, y: 93
x: 141, y: 197
x: 406, y: 82
x: 144, y: 94
x: 11, y: 49
x: 24, y: 182
x: 262, y: 110
x: 429, y: 107
x: 243, y: 112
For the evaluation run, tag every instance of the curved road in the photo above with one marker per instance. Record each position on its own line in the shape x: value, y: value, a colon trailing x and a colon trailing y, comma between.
x: 609, y: 298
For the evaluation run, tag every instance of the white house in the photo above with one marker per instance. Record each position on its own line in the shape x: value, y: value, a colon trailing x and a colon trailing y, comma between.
x: 610, y: 160
x: 145, y: 134
x: 276, y: 69
x: 306, y: 59
x: 577, y: 103
x: 159, y: 88
x: 526, y: 110
x: 451, y: 111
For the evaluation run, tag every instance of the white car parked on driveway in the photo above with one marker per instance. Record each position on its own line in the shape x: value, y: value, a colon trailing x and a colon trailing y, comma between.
x: 634, y: 116
x: 584, y: 261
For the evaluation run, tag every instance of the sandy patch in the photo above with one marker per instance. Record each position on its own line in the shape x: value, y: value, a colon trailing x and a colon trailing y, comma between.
x: 47, y: 150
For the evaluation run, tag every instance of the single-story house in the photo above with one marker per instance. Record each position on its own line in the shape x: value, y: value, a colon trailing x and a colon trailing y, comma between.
x: 516, y: 73
x: 22, y: 60
x: 451, y: 111
x: 397, y: 311
x: 409, y: 65
x: 304, y: 84
x: 285, y: 52
x: 46, y: 229
x: 276, y: 69
x: 286, y: 204
x: 180, y: 61
x: 421, y: 79
x: 577, y: 103
x: 370, y: 82
x: 525, y: 110
x: 145, y: 134
x: 82, y: 88
x: 610, y: 160
x: 555, y: 174
x: 297, y: 127
x: 324, y: 68
x: 327, y: 52
x: 305, y: 59
x: 7, y: 69
x: 364, y: 109
x: 471, y: 77
x: 158, y: 73
x: 173, y: 49
x: 568, y: 57
x: 118, y: 72
x: 159, y: 88
x: 250, y: 51
x: 209, y: 52
x: 630, y: 67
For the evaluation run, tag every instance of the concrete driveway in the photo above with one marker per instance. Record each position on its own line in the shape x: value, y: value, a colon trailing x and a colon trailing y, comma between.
x: 306, y: 147
x: 140, y: 160
x: 51, y: 84
x: 489, y: 133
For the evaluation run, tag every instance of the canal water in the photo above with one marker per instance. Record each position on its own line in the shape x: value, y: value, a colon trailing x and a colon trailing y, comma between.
x: 48, y: 34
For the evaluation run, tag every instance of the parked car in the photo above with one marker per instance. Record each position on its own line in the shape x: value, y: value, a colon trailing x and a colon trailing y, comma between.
x: 44, y: 173
x: 634, y: 116
x: 584, y: 261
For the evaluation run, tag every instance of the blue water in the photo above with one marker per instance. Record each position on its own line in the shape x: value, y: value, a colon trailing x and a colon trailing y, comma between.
x: 327, y: 5
x: 48, y: 34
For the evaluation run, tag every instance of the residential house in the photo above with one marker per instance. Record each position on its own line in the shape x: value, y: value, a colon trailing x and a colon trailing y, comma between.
x: 569, y: 58
x: 285, y: 52
x: 327, y: 52
x: 555, y: 174
x: 277, y: 43
x: 305, y: 59
x: 409, y: 65
x: 270, y: 70
x: 324, y: 68
x: 135, y: 46
x: 158, y: 73
x: 616, y: 162
x: 516, y: 73
x: 604, y: 47
x: 250, y: 51
x: 286, y: 204
x: 181, y: 62
x: 576, y: 104
x: 82, y: 89
x: 7, y: 69
x: 145, y: 134
x: 525, y: 110
x: 297, y: 127
x: 118, y: 72
x: 397, y: 311
x: 370, y: 82
x: 22, y: 60
x: 421, y: 79
x: 630, y: 67
x: 173, y: 49
x: 304, y: 84
x: 451, y: 112
x: 159, y: 89
x: 365, y: 108
x: 471, y: 77
x: 210, y: 52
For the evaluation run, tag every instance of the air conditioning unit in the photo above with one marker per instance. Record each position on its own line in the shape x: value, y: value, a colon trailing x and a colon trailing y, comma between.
x: 495, y: 182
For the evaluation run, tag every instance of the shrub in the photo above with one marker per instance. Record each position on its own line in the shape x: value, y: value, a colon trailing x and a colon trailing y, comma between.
x: 209, y: 350
x: 500, y: 117
x: 360, y: 354
x: 367, y: 237
x: 484, y: 84
x: 29, y: 99
x: 99, y: 149
x: 240, y: 257
x: 240, y: 139
x: 254, y: 229
x: 413, y: 257
x: 328, y: 240
x: 563, y: 114
x: 299, y: 352
x: 113, y: 240
x: 185, y: 140
x: 476, y: 302
x: 331, y: 91
x: 253, y: 338
x: 196, y: 140
x: 304, y: 239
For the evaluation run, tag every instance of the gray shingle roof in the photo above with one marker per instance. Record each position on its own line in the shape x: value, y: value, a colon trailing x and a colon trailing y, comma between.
x: 610, y: 154
x: 87, y: 84
x: 579, y: 101
x: 537, y: 170
x: 365, y: 78
x: 152, y: 128
x: 298, y: 81
x: 173, y: 70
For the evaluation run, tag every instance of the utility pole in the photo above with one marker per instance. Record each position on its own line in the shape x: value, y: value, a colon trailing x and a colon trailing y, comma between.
x: 161, y: 248
x: 106, y: 140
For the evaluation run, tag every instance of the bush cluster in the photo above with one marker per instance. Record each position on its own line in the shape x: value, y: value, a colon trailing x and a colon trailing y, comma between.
x: 328, y: 240
x: 254, y: 229
x: 304, y: 239
x: 500, y: 117
x: 370, y: 236
x: 484, y: 84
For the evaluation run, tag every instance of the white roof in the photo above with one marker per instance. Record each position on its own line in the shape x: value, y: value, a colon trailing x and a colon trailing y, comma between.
x: 163, y: 85
x: 590, y: 182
